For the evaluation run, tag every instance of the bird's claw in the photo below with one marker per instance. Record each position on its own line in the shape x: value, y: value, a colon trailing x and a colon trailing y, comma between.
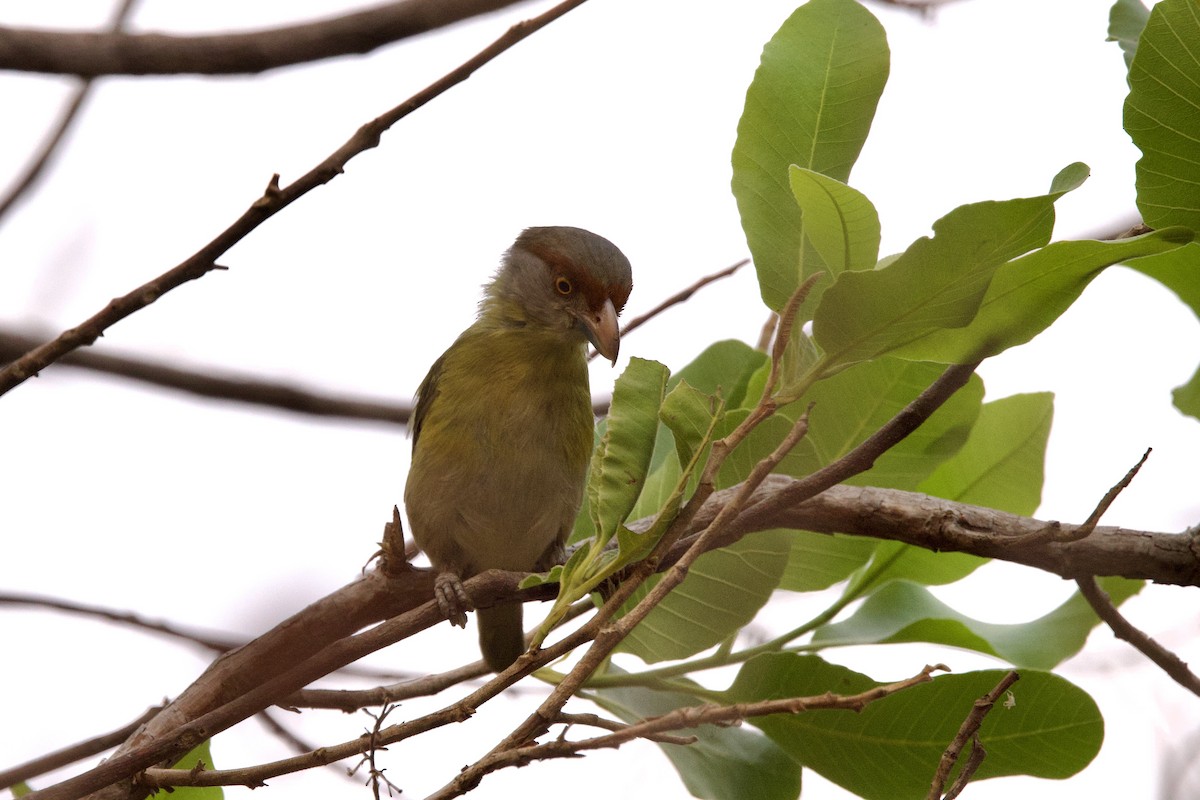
x: 452, y: 598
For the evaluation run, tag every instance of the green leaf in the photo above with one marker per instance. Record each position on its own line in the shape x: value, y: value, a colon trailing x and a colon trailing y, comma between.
x: 1001, y: 465
x: 622, y: 458
x: 724, y: 367
x: 723, y: 591
x: 817, y: 561
x: 725, y: 763
x: 889, y: 751
x: 760, y: 443
x: 841, y: 230
x: 840, y: 221
x: 904, y: 611
x: 1029, y: 293
x: 1126, y: 20
x: 811, y: 104
x: 937, y: 282
x: 199, y: 755
x: 849, y: 407
x: 1187, y: 396
x: 1179, y: 271
x: 688, y: 412
x: 1162, y: 115
x: 852, y: 405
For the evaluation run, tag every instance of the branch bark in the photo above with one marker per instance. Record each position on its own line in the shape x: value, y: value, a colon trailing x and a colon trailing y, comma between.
x: 89, y: 55
x: 317, y: 639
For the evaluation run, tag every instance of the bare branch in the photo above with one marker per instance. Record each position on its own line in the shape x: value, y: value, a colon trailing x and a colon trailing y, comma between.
x: 679, y: 297
x: 968, y: 730
x: 228, y: 53
x: 76, y: 752
x: 273, y: 200
x: 211, y: 641
x: 235, y: 387
x: 65, y: 121
x: 215, y: 383
x: 679, y: 719
x: 1170, y: 663
x: 306, y: 638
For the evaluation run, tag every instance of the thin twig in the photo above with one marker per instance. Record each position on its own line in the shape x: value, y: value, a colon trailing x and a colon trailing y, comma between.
x: 239, y: 388
x: 65, y: 121
x: 680, y: 719
x: 1173, y: 665
x: 212, y: 641
x: 215, y: 384
x: 653, y: 729
x: 76, y: 752
x: 969, y: 730
x: 1111, y: 495
x: 679, y: 297
x: 273, y: 200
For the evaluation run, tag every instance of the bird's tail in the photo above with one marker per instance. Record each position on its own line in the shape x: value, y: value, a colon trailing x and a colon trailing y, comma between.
x: 501, y: 635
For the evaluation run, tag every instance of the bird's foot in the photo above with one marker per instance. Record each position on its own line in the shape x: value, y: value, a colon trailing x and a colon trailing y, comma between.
x: 452, y: 598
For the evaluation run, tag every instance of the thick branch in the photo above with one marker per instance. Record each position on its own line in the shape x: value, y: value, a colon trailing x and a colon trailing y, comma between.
x: 92, y: 54
x: 884, y: 513
x: 936, y: 524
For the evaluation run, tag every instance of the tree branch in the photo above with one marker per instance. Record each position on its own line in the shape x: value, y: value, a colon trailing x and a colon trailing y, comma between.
x: 968, y: 730
x: 881, y: 513
x: 215, y: 384
x: 76, y: 752
x: 273, y: 200
x: 65, y: 121
x: 1173, y: 665
x: 249, y: 389
x: 91, y: 55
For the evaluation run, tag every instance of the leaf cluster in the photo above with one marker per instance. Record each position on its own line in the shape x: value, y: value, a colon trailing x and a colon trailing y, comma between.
x: 861, y: 335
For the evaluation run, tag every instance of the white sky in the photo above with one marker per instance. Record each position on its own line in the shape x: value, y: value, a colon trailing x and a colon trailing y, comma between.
x: 619, y: 118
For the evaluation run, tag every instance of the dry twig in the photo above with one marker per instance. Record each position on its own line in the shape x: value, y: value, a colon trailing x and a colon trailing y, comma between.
x: 969, y: 730
x: 76, y: 752
x: 65, y: 121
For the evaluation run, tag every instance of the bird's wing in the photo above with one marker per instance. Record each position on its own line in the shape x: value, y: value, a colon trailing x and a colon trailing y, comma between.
x: 426, y: 393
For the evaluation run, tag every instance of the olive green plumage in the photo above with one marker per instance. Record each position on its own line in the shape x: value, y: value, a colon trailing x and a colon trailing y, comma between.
x: 502, y: 430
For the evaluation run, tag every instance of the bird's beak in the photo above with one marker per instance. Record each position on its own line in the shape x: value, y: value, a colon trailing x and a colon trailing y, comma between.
x: 603, y: 332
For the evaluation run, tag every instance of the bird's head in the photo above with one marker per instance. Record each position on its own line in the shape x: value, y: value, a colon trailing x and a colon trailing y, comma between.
x: 564, y: 279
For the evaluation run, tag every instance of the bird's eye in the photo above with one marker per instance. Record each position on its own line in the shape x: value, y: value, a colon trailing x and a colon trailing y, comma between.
x: 563, y: 285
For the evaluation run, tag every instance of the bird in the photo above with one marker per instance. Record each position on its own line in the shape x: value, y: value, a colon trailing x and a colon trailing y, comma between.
x: 502, y: 429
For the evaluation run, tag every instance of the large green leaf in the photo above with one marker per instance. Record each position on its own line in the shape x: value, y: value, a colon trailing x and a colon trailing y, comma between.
x: 810, y: 104
x: 849, y: 407
x: 1028, y: 294
x: 1162, y: 115
x: 852, y: 405
x: 723, y: 591
x: 817, y: 561
x: 1126, y: 20
x: 1179, y: 271
x: 1002, y: 464
x: 889, y: 751
x: 937, y: 282
x: 903, y: 611
x: 725, y: 763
